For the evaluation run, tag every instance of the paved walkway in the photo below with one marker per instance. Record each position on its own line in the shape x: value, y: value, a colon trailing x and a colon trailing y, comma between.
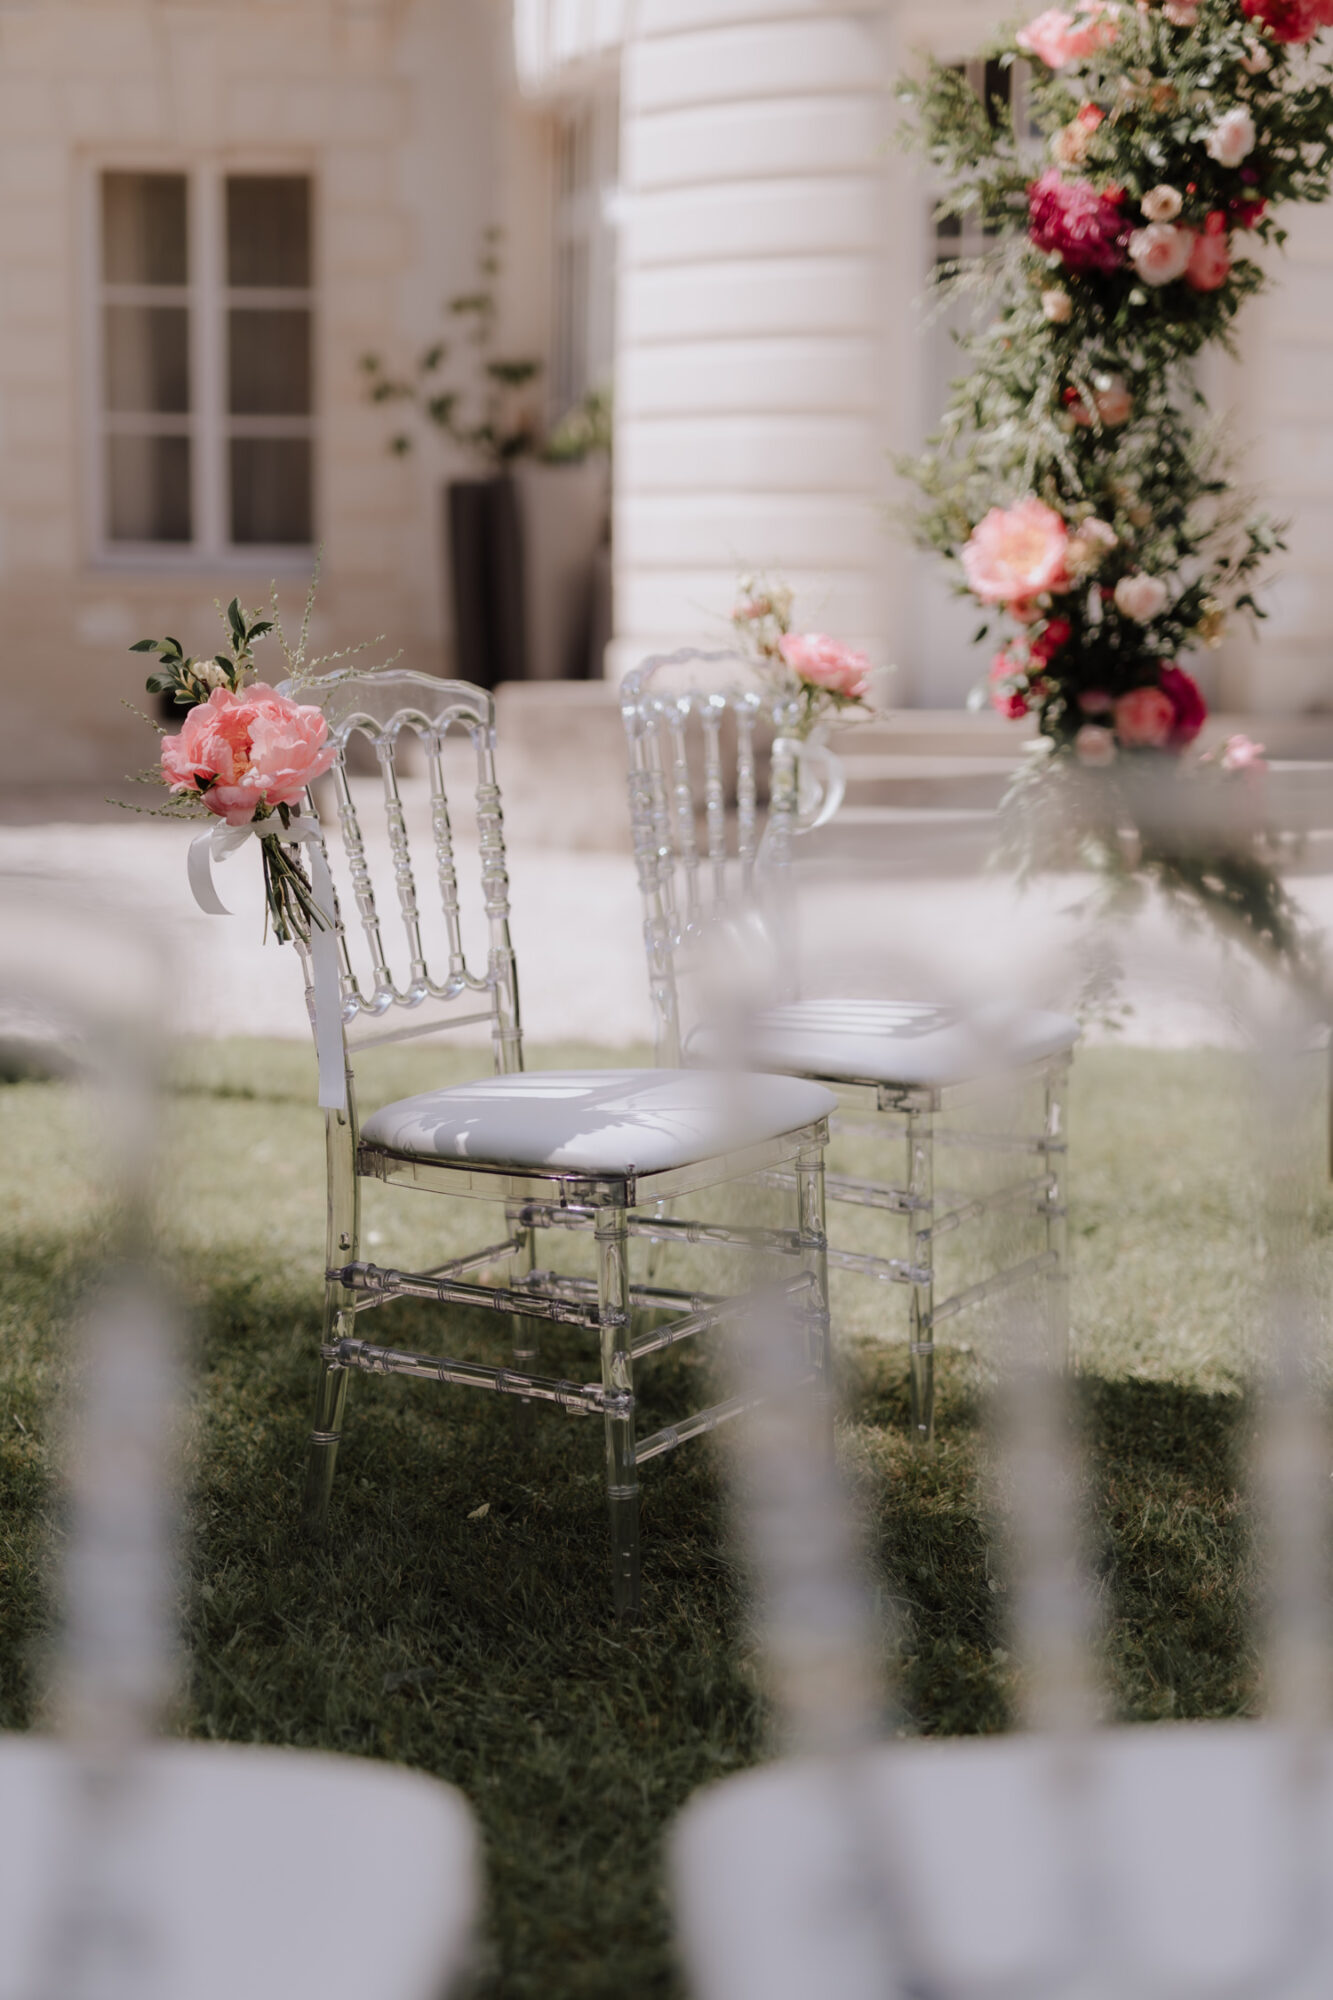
x: 577, y: 928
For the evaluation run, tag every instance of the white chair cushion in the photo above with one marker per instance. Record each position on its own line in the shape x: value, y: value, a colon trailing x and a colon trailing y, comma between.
x: 886, y: 1041
x: 1193, y: 1830
x: 259, y: 1874
x: 597, y: 1121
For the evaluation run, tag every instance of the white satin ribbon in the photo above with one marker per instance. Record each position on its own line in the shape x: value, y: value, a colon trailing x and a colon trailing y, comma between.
x: 215, y: 843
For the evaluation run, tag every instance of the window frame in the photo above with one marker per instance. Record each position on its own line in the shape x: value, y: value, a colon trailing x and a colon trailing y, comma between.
x: 208, y: 423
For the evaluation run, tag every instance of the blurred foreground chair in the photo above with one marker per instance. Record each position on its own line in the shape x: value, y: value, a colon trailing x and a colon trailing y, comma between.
x: 697, y: 724
x: 1181, y: 1861
x: 583, y: 1150
x: 142, y: 1869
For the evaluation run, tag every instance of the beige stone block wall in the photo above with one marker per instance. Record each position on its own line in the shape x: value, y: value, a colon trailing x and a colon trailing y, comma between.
x: 404, y: 112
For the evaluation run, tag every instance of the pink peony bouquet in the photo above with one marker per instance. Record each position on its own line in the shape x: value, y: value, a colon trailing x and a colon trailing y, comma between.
x: 245, y: 754
x: 821, y: 675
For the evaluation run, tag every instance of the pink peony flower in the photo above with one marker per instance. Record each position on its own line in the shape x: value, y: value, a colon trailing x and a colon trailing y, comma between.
x: 1189, y: 708
x: 1161, y: 252
x: 1015, y: 552
x: 1285, y: 20
x: 1210, y: 263
x: 1144, y: 718
x: 1240, y: 753
x: 1084, y: 227
x: 1232, y: 138
x: 258, y: 748
x: 1094, y: 746
x: 825, y: 664
x: 1059, y: 38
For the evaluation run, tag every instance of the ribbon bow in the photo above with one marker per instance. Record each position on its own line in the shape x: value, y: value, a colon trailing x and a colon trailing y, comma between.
x: 215, y: 844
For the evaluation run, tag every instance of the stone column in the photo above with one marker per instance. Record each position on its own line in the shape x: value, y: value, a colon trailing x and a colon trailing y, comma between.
x: 753, y: 339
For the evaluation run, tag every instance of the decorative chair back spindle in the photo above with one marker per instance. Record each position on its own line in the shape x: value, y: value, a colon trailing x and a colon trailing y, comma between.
x: 707, y: 748
x: 389, y: 710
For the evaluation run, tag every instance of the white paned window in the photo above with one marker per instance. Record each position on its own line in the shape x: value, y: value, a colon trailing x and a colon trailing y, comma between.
x: 587, y: 159
x: 203, y: 364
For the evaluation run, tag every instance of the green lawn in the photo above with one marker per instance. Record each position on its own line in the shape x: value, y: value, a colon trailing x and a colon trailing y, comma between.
x: 478, y: 1645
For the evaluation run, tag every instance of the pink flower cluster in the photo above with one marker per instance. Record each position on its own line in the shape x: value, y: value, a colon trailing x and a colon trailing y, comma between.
x: 1166, y: 717
x: 1059, y: 39
x: 1086, y: 229
x: 1291, y: 20
x: 250, y: 751
x: 824, y: 663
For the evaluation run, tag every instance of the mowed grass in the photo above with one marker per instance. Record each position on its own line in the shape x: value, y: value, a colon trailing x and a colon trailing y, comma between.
x: 458, y: 1618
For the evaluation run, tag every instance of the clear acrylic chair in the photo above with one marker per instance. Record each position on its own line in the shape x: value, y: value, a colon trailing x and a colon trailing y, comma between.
x: 132, y: 1863
x: 703, y: 733
x: 600, y: 1151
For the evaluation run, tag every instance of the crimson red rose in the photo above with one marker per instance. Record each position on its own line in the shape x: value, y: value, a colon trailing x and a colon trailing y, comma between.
x: 1286, y: 20
x: 1054, y: 634
x: 1191, y: 710
x: 1084, y: 227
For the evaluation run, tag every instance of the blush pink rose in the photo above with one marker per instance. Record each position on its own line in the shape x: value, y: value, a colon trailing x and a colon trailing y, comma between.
x: 1242, y: 753
x: 1161, y: 252
x: 1059, y: 38
x: 1209, y: 266
x: 1144, y: 718
x: 1189, y: 710
x: 258, y: 749
x: 1015, y: 552
x: 824, y: 663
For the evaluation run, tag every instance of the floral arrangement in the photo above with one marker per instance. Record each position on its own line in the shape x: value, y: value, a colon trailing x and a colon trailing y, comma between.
x: 819, y: 676
x: 1075, y: 487
x: 245, y: 754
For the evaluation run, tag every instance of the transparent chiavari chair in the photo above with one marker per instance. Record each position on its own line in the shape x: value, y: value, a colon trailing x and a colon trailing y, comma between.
x: 599, y: 1151
x: 1072, y: 1859
x: 133, y: 1867
x: 701, y: 728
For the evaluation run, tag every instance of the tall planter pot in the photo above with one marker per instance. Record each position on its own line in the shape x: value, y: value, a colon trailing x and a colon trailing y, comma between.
x: 484, y: 543
x: 564, y: 512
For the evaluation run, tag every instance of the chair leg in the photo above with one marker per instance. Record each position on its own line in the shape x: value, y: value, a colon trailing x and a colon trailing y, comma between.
x: 812, y: 1229
x: 622, y: 1479
x: 1055, y: 1157
x: 341, y: 1245
x: 921, y: 1239
x: 524, y: 1335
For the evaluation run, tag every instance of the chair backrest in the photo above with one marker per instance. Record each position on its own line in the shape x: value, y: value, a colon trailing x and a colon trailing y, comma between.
x: 717, y: 789
x: 390, y: 709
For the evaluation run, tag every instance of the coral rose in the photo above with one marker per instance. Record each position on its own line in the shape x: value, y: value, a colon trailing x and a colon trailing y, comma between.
x: 1142, y: 598
x: 1232, y: 138
x: 1188, y: 707
x: 251, y: 750
x: 1060, y: 38
x: 1210, y: 263
x: 824, y: 663
x: 1161, y: 252
x: 1144, y: 718
x: 1015, y: 552
x: 1085, y: 229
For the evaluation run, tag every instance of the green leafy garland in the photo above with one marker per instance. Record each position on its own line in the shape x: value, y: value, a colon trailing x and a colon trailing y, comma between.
x: 1076, y: 485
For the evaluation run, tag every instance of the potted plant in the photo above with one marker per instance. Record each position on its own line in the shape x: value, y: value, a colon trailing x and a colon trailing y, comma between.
x: 522, y: 534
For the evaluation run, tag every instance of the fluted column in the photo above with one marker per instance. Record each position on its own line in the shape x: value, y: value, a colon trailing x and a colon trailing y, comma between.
x: 753, y: 335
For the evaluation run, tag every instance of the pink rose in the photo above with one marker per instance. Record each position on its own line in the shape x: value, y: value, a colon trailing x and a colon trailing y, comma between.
x: 1181, y: 13
x: 1161, y: 252
x: 1161, y: 204
x: 1210, y: 263
x: 1095, y: 701
x: 1015, y: 552
x: 1232, y: 138
x: 1188, y: 707
x: 1114, y: 403
x: 1086, y: 229
x: 1144, y: 718
x: 823, y: 663
x: 1240, y: 753
x: 1059, y: 38
x: 1141, y: 598
x: 258, y: 748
